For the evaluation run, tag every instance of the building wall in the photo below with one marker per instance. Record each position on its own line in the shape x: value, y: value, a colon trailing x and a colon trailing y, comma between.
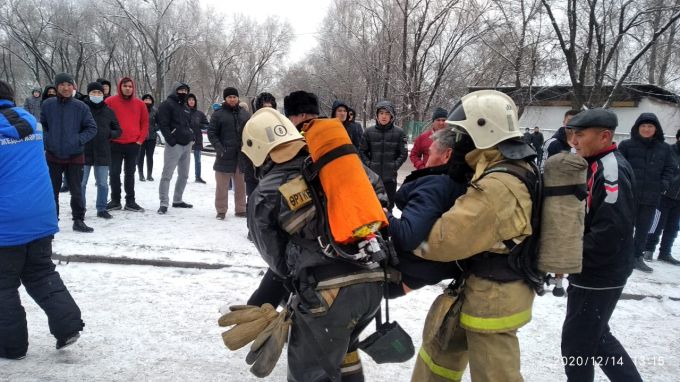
x: 549, y: 118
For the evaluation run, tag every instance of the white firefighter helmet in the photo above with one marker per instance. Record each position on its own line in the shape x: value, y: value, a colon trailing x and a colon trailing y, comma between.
x: 266, y: 131
x: 487, y: 116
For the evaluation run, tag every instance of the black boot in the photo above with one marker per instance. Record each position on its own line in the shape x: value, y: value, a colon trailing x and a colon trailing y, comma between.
x: 80, y: 226
x: 669, y: 259
x: 640, y: 265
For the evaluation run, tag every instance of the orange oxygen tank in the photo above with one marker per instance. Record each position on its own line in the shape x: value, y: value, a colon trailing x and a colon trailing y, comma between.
x: 353, y: 209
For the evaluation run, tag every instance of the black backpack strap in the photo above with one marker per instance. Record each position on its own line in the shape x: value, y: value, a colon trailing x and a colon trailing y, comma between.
x: 330, y: 156
x: 578, y: 190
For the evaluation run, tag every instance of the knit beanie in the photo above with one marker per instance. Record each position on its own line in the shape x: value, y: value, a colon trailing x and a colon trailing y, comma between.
x: 229, y: 92
x: 439, y: 113
x: 94, y: 86
x: 64, y: 77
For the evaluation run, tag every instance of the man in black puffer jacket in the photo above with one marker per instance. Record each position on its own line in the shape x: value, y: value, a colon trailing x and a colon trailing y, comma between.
x: 173, y: 118
x: 224, y: 133
x: 654, y: 167
x: 668, y: 218
x: 383, y: 147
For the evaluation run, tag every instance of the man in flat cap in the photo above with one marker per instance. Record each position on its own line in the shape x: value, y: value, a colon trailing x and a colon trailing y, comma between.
x: 607, y: 254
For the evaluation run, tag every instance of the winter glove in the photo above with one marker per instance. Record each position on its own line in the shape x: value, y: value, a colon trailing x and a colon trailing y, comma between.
x: 267, y: 347
x: 249, y: 322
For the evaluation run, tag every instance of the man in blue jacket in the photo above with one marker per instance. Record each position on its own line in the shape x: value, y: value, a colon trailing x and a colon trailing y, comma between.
x: 67, y: 124
x: 28, y: 221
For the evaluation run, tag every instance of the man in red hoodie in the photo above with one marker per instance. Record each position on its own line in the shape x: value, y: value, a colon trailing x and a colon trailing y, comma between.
x: 421, y: 146
x: 134, y: 123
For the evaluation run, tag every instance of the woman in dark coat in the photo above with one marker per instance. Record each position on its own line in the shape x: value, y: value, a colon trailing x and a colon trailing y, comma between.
x: 198, y: 123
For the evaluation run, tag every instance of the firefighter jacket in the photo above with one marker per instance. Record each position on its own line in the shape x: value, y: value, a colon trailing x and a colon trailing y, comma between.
x: 283, y: 220
x: 494, y: 209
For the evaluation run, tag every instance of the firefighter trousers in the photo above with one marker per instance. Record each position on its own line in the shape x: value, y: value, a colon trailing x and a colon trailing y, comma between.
x: 492, y: 357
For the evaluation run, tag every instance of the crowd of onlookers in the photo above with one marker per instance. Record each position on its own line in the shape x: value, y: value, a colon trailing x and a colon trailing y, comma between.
x: 112, y: 134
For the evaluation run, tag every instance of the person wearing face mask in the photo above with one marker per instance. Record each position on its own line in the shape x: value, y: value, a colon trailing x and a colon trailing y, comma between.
x: 98, y: 150
x: 224, y: 133
x: 174, y: 121
x: 149, y: 144
x: 654, y: 168
x: 133, y: 117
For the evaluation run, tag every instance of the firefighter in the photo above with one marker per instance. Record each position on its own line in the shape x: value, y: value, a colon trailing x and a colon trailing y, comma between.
x: 493, y: 216
x: 333, y: 300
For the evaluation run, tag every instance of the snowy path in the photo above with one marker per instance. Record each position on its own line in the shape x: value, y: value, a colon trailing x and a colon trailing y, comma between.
x: 159, y: 324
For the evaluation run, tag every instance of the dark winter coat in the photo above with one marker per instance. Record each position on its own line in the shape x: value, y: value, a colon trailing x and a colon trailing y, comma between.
x: 32, y: 104
x: 537, y: 141
x: 422, y: 200
x: 673, y: 190
x: 555, y: 144
x: 651, y: 160
x: 98, y: 150
x: 288, y: 254
x: 174, y: 119
x: 610, y: 218
x: 198, y: 123
x: 354, y: 130
x: 68, y: 125
x: 224, y: 133
x: 44, y: 93
x: 383, y: 148
x: 153, y: 124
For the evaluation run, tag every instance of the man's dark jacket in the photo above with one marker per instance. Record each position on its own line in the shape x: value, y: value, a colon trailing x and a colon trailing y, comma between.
x: 67, y: 124
x: 651, y: 160
x: 173, y: 119
x: 98, y: 150
x: 224, y: 133
x: 383, y: 149
x: 610, y: 218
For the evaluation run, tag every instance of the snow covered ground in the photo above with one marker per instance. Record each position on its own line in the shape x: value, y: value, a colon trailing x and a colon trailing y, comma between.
x: 148, y: 323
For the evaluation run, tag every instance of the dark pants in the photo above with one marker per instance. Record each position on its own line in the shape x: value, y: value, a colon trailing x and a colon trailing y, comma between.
x: 587, y: 340
x: 643, y: 222
x: 197, y: 163
x: 146, y: 150
x: 74, y: 177
x: 127, y: 154
x: 271, y: 290
x: 335, y: 333
x: 31, y: 264
x: 668, y: 221
x: 391, y: 190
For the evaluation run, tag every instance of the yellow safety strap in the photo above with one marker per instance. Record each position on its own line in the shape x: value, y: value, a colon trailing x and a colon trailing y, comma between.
x: 496, y: 323
x: 453, y: 375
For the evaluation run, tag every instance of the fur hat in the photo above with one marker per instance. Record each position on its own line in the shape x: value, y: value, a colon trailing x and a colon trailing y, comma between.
x: 263, y: 98
x: 229, y: 92
x: 300, y: 102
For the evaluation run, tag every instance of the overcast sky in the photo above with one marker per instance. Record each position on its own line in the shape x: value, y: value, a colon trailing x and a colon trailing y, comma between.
x: 304, y: 15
